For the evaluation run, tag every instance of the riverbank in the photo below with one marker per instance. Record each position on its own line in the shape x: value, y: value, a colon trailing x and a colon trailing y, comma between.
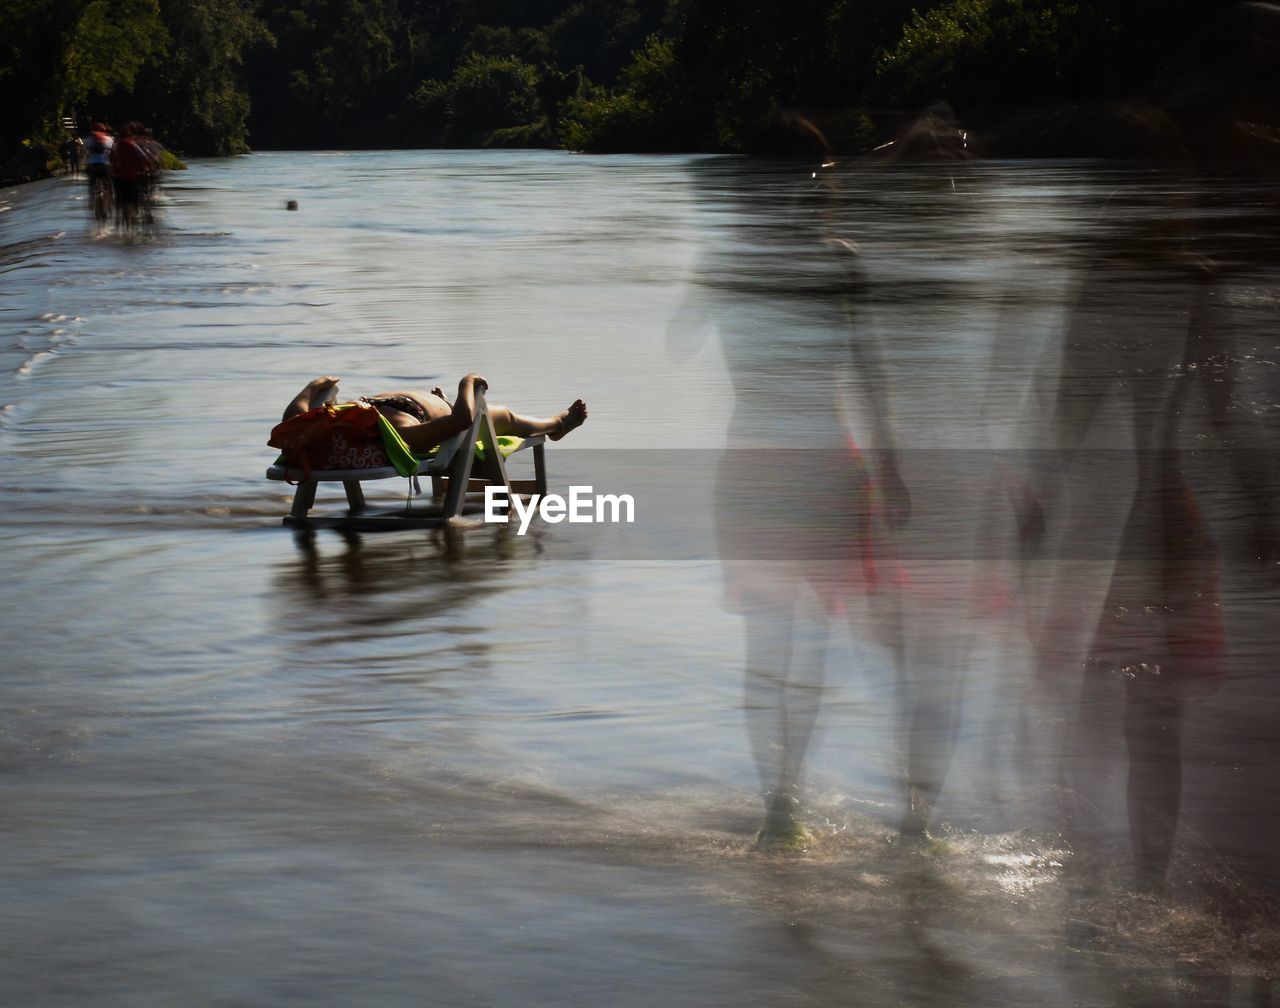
x: 28, y: 163
x: 38, y: 161
x: 1122, y: 131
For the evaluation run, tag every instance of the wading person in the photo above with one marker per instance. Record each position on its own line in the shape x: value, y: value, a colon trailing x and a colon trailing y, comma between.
x: 1132, y: 614
x: 98, y: 144
x: 808, y: 492
x: 134, y: 166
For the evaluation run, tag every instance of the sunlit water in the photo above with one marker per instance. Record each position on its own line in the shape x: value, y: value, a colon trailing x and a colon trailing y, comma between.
x: 243, y: 768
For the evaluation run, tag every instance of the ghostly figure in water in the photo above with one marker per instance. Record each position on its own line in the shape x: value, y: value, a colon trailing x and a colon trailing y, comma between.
x: 1131, y: 617
x: 808, y: 490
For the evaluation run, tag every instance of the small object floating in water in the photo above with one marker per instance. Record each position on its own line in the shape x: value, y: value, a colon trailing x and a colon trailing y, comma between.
x: 291, y: 205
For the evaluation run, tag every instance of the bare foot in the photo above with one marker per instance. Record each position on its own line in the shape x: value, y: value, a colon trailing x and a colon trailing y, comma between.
x: 315, y: 393
x: 323, y: 390
x: 570, y: 419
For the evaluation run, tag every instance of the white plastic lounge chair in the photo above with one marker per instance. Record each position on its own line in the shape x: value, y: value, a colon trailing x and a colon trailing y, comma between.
x: 455, y: 473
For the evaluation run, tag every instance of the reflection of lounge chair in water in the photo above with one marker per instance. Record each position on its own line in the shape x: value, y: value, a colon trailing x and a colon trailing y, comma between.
x: 458, y: 458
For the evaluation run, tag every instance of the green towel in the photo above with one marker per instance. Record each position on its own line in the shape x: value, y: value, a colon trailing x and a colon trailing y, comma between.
x: 397, y: 451
x: 406, y: 462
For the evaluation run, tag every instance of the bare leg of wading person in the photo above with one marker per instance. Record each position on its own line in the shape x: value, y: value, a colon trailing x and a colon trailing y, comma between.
x: 928, y: 701
x: 1153, y: 735
x: 926, y: 696
x: 783, y: 693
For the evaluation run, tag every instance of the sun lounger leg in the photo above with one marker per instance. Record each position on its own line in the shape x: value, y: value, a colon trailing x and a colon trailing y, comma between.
x: 355, y: 495
x: 458, y: 481
x: 540, y: 469
x: 460, y: 470
x: 303, y: 498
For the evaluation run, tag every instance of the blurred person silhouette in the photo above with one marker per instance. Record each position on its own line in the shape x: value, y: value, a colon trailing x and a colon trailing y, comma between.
x: 1226, y: 92
x: 98, y: 143
x: 932, y: 135
x: 97, y: 146
x: 134, y: 163
x: 154, y: 151
x: 72, y: 153
x: 808, y: 490
x: 1132, y: 613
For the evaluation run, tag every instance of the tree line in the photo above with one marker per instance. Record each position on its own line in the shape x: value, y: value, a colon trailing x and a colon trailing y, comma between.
x: 214, y: 76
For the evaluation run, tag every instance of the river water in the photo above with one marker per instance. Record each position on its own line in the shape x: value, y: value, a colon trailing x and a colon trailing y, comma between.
x: 241, y: 766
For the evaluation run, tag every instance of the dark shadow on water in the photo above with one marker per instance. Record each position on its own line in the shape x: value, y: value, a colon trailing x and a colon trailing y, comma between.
x: 367, y: 580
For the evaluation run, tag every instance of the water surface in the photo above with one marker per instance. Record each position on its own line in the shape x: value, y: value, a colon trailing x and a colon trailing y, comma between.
x: 243, y: 768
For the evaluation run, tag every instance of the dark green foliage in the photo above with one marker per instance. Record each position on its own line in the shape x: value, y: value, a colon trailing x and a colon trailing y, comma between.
x: 527, y: 44
x: 602, y: 35
x: 107, y: 47
x: 211, y: 75
x: 470, y: 72
x: 756, y: 57
x: 976, y: 52
x: 173, y: 64
x: 200, y: 102
x: 58, y: 58
x: 33, y: 36
x: 652, y: 111
x: 337, y: 67
x: 486, y: 94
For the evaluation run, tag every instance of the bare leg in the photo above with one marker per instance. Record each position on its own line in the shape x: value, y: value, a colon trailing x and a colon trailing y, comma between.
x: 556, y: 427
x: 927, y: 697
x: 315, y: 393
x: 1153, y: 733
x: 1088, y: 763
x: 782, y: 694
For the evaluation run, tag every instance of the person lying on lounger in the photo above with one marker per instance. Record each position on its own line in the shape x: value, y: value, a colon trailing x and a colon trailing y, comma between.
x: 425, y: 419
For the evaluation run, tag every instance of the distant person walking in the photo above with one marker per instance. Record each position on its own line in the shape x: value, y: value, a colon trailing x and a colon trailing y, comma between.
x: 72, y: 153
x: 98, y: 144
x: 134, y: 164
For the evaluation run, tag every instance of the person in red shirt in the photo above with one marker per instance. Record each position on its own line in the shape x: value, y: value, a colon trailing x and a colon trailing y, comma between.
x: 133, y: 169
